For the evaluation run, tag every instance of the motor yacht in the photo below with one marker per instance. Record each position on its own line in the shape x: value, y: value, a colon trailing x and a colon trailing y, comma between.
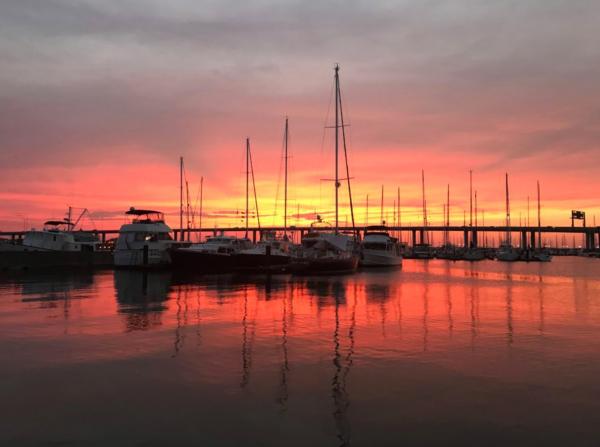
x: 145, y: 241
x: 379, y: 249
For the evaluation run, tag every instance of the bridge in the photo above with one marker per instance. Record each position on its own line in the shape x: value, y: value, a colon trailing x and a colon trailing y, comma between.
x: 529, y: 235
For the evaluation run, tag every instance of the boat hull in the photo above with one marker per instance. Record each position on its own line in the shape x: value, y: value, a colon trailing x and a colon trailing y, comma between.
x: 377, y: 258
x: 250, y: 262
x: 46, y: 260
x: 200, y: 262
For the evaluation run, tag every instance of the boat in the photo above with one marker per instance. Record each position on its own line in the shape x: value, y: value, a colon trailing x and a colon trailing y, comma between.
x: 216, y: 254
x: 474, y: 254
x: 506, y: 252
x: 272, y: 252
x: 324, y: 249
x: 57, y: 244
x: 145, y: 241
x: 450, y: 252
x: 379, y: 249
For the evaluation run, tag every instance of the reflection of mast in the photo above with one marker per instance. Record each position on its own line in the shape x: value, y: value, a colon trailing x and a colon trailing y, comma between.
x: 426, y: 311
x: 285, y: 367
x: 179, y: 338
x: 509, y: 316
x: 449, y: 302
x: 246, y: 344
x: 342, y: 368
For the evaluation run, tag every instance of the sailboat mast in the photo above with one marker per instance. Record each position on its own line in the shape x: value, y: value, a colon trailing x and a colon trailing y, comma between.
x: 475, y: 208
x: 508, y: 241
x: 539, y: 216
x: 424, y: 201
x: 399, y: 215
x: 247, y: 179
x: 367, y: 214
x: 254, y: 189
x: 470, y: 197
x: 381, y: 207
x: 285, y: 194
x: 337, y: 131
x: 448, y: 215
x: 181, y: 198
x: 201, y: 200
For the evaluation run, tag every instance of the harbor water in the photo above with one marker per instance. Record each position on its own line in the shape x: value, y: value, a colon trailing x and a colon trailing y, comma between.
x: 435, y: 353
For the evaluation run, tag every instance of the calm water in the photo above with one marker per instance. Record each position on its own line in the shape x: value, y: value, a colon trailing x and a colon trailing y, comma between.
x: 438, y: 353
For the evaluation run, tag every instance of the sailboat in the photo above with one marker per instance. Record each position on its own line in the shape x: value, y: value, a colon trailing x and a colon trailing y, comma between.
x: 506, y: 252
x: 378, y: 248
x: 472, y: 252
x: 539, y: 254
x: 217, y: 253
x: 423, y: 250
x: 324, y: 249
x: 448, y: 251
x: 271, y: 253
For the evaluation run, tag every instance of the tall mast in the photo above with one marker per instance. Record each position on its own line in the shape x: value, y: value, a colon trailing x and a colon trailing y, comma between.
x: 285, y: 195
x: 508, y: 241
x: 381, y: 207
x: 539, y: 216
x: 448, y: 215
x: 475, y: 208
x: 470, y: 197
x: 337, y: 131
x: 201, y: 199
x: 254, y: 189
x: 247, y: 179
x: 424, y: 201
x: 527, y: 210
x: 187, y: 209
x: 399, y: 215
x: 180, y: 198
x: 367, y: 214
x: 339, y: 95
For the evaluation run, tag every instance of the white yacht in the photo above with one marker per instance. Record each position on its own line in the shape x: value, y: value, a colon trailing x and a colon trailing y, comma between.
x: 55, y: 236
x: 145, y: 241
x: 379, y: 249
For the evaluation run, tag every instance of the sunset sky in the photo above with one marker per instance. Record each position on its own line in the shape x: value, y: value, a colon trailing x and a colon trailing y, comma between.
x: 98, y: 99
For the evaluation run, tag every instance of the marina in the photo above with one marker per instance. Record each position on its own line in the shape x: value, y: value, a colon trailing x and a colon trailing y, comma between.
x: 281, y: 223
x: 505, y: 349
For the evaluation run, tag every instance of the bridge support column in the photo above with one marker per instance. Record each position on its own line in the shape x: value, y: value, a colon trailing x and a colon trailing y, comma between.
x: 523, y: 239
x: 474, y: 242
x: 466, y: 238
x: 103, y: 238
x: 414, y: 237
x: 533, y: 241
x: 421, y: 236
x: 254, y: 236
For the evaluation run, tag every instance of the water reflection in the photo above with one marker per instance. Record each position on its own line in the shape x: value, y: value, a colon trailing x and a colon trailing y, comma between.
x: 142, y: 297
x: 326, y: 361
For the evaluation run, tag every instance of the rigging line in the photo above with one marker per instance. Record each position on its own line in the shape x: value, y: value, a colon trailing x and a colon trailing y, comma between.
x: 325, y: 127
x: 346, y: 159
x: 278, y: 180
x: 254, y: 188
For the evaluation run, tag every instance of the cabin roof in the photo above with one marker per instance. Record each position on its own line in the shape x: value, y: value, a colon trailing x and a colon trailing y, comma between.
x: 57, y: 222
x: 132, y: 211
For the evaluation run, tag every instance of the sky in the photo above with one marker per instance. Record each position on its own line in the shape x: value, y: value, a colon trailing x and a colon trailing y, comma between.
x: 99, y: 99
